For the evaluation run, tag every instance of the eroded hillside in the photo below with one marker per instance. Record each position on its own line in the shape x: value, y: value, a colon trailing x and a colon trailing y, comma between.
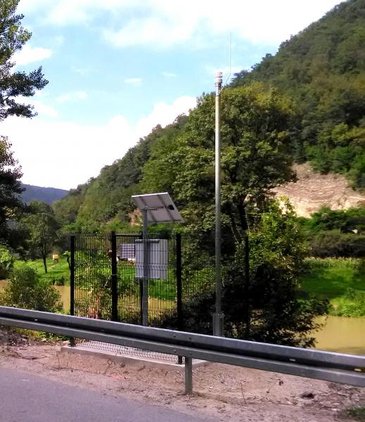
x: 313, y: 190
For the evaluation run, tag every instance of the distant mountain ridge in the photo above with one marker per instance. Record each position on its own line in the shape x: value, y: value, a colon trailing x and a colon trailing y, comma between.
x: 38, y: 193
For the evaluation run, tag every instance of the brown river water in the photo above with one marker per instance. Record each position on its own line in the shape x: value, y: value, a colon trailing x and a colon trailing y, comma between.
x: 339, y: 334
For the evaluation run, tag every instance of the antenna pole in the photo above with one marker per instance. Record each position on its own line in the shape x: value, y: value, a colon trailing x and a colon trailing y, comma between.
x: 218, y: 315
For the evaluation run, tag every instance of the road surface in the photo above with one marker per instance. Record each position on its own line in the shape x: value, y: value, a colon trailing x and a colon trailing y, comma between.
x: 28, y: 398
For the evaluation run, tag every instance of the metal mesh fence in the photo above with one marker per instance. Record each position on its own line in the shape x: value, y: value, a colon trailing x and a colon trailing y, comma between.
x: 101, y: 260
x: 160, y: 273
x: 92, y: 276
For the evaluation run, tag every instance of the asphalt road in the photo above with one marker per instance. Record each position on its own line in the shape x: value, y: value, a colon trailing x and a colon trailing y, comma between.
x: 28, y: 398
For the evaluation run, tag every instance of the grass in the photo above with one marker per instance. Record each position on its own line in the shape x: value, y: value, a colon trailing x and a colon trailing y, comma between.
x: 58, y: 272
x: 341, y: 281
x: 356, y: 413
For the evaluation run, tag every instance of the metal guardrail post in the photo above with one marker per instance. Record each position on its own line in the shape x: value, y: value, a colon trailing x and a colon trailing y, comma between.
x: 188, y: 375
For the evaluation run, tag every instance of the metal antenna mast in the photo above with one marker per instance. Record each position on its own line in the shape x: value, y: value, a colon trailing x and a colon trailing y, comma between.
x: 218, y: 315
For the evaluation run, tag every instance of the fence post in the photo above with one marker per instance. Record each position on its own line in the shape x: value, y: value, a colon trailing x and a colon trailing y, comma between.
x: 114, y: 277
x: 179, y: 288
x: 72, y: 282
x: 72, y: 275
x: 179, y: 282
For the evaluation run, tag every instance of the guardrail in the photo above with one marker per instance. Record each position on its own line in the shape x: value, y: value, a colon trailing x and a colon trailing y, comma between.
x: 308, y: 363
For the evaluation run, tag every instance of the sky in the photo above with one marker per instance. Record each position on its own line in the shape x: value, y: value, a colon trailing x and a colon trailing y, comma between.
x: 118, y: 68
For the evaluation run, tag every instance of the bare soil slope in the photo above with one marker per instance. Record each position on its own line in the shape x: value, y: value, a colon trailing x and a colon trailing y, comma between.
x: 313, y: 190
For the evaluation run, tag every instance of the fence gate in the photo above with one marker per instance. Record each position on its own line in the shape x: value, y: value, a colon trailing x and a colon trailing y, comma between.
x: 107, y: 274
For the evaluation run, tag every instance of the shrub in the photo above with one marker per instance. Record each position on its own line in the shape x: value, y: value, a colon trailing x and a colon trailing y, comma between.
x: 26, y: 290
x: 262, y: 302
x: 333, y: 243
x: 6, y: 262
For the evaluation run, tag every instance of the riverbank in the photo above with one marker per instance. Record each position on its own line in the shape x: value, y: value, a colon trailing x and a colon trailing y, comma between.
x: 340, y: 280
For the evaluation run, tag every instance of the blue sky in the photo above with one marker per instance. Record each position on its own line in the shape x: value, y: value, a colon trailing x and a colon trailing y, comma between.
x: 117, y: 68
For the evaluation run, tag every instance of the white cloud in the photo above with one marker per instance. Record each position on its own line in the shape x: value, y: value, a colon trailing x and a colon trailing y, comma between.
x: 30, y: 54
x: 169, y: 75
x: 133, y: 81
x: 164, y: 114
x: 72, y: 97
x: 155, y: 31
x: 44, y: 110
x: 63, y: 154
x: 83, y: 71
x: 162, y: 23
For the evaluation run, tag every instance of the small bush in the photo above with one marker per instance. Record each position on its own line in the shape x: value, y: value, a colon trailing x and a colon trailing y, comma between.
x: 6, y: 262
x: 26, y: 290
x: 335, y: 244
x: 352, y: 304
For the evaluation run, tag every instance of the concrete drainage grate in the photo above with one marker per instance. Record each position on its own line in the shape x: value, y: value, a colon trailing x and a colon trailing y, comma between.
x: 129, y: 353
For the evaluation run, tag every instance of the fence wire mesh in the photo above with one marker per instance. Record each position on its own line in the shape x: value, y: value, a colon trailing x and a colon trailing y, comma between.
x: 92, y: 272
x: 95, y: 272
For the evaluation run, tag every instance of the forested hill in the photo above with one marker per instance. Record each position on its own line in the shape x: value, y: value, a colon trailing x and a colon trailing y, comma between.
x: 321, y: 74
x: 106, y: 199
x: 323, y: 69
x: 38, y: 193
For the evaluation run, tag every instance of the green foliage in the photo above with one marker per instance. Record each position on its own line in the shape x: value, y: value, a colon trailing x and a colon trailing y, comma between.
x: 276, y: 312
x: 352, y: 304
x: 338, y: 233
x: 344, y: 220
x: 15, y: 84
x: 10, y: 188
x: 356, y: 413
x: 6, y: 261
x: 255, y: 146
x: 267, y: 305
x: 93, y: 281
x: 323, y: 70
x: 58, y: 273
x: 336, y: 244
x: 67, y: 208
x: 41, y: 225
x: 105, y: 203
x: 318, y: 116
x: 341, y: 281
x: 26, y: 290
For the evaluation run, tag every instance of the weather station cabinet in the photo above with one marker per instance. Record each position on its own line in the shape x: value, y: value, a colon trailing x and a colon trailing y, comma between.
x: 158, y: 258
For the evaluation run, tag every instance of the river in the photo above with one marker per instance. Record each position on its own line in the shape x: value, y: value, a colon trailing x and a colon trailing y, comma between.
x: 339, y: 334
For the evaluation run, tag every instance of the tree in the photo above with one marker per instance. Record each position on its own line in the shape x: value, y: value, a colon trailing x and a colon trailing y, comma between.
x: 6, y: 261
x: 255, y: 157
x: 277, y: 312
x: 16, y: 84
x: 10, y: 189
x: 42, y: 227
x: 13, y: 85
x: 261, y: 246
x: 323, y: 70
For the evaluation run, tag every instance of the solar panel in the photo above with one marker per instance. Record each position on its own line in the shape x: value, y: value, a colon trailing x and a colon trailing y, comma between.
x: 159, y: 206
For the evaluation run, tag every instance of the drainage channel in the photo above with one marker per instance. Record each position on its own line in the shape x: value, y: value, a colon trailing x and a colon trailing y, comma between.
x: 114, y: 350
